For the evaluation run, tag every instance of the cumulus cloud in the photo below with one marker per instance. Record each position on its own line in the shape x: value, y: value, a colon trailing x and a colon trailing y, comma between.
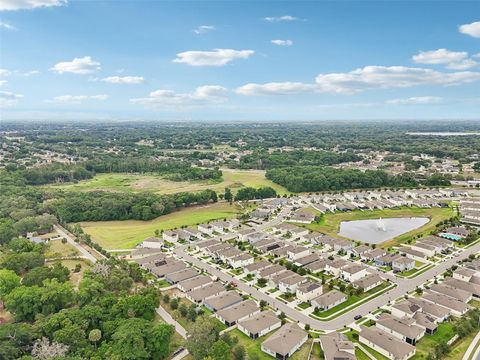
x: 472, y: 29
x: 124, y: 79
x: 216, y: 57
x: 282, y: 42
x: 415, y: 100
x: 31, y: 73
x: 202, y: 29
x: 170, y: 99
x: 275, y: 88
x: 6, y: 5
x: 280, y: 18
x: 84, y: 65
x: 456, y: 60
x: 9, y: 99
x: 7, y: 26
x: 77, y: 99
x: 2, y: 82
x: 4, y: 72
x: 369, y: 77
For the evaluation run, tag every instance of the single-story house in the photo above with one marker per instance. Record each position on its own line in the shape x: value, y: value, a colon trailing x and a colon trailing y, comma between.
x: 454, y: 292
x: 329, y: 300
x: 288, y: 339
x: 402, y: 328
x: 238, y: 312
x: 200, y: 294
x: 194, y: 283
x: 403, y: 263
x: 152, y: 243
x: 457, y: 308
x: 368, y: 282
x: 170, y: 236
x: 241, y: 261
x: 222, y: 301
x: 336, y: 346
x: 181, y: 275
x: 259, y: 324
x: 206, y: 229
x: 386, y: 344
x: 290, y: 284
x: 256, y: 266
x: 463, y: 285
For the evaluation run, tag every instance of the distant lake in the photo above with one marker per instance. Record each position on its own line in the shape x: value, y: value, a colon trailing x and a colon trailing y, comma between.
x: 444, y: 133
x: 376, y: 231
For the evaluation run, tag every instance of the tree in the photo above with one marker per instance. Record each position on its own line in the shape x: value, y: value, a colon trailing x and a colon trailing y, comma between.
x: 159, y: 338
x: 8, y: 281
x: 183, y: 310
x: 203, y: 335
x: 228, y: 195
x: 239, y: 352
x: 174, y: 303
x: 94, y: 336
x: 263, y: 304
x: 37, y: 275
x: 220, y: 350
x: 43, y: 349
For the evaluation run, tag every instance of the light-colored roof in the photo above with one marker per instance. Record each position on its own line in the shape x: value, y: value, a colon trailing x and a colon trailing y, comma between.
x: 467, y: 286
x: 194, y: 282
x: 407, y: 307
x: 258, y: 265
x: 451, y: 291
x: 430, y: 308
x: 206, y: 291
x: 353, y: 269
x: 404, y: 326
x: 285, y: 339
x: 224, y: 300
x: 446, y: 301
x: 329, y: 298
x: 238, y: 311
x: 336, y: 346
x: 182, y: 274
x: 309, y: 286
x: 399, y: 349
x: 260, y: 321
x: 367, y: 281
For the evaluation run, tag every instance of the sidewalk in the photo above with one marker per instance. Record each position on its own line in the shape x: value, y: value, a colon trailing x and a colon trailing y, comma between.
x: 168, y: 318
x: 471, y: 347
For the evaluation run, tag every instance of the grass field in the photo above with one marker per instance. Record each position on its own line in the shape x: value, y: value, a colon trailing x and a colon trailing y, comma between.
x: 234, y: 179
x: 428, y: 343
x: 330, y: 223
x: 58, y: 249
x: 129, y: 233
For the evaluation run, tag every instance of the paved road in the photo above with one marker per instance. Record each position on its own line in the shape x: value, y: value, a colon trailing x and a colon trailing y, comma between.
x: 403, y: 286
x: 170, y: 320
x: 471, y: 347
x: 72, y: 242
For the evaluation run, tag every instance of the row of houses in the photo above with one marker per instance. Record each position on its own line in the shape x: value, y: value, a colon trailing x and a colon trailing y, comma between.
x: 470, y: 211
x: 225, y: 253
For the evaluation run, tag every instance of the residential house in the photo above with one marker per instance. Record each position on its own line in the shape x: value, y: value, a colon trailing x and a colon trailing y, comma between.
x: 290, y: 284
x: 238, y: 312
x: 206, y: 229
x: 288, y: 339
x: 403, y: 263
x: 309, y: 290
x: 370, y: 281
x: 297, y: 252
x: 457, y: 308
x: 170, y: 236
x: 402, y: 328
x: 463, y: 285
x: 181, y: 275
x: 241, y: 261
x: 386, y: 344
x: 194, y: 283
x: 200, y: 294
x: 152, y: 243
x: 329, y: 300
x: 223, y: 300
x: 353, y: 272
x: 448, y: 290
x: 259, y: 324
x: 336, y: 346
x: 256, y: 266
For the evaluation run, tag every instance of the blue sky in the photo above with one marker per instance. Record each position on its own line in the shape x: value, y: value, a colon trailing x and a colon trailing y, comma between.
x: 245, y: 60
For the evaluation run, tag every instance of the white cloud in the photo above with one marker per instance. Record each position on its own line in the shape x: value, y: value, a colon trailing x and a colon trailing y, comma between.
x: 169, y: 98
x: 4, y: 72
x: 280, y: 18
x: 5, y: 25
x: 2, y: 82
x: 472, y: 29
x: 202, y: 29
x: 9, y: 99
x: 31, y: 73
x: 29, y: 4
x: 275, y: 88
x: 456, y: 60
x: 77, y: 99
x: 415, y: 100
x: 216, y: 57
x: 369, y: 77
x: 81, y: 66
x: 386, y: 77
x: 282, y: 42
x: 124, y: 79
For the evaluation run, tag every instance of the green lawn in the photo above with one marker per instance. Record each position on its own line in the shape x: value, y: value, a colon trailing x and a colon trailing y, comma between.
x: 330, y: 223
x: 254, y: 350
x: 151, y: 182
x: 428, y: 343
x: 129, y: 233
x: 350, y: 301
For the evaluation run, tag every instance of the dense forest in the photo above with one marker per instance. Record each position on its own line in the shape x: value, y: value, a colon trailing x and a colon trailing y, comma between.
x: 313, y: 179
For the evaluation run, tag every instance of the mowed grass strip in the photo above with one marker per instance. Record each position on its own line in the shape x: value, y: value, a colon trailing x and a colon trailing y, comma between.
x: 234, y: 179
x: 330, y: 222
x: 129, y: 233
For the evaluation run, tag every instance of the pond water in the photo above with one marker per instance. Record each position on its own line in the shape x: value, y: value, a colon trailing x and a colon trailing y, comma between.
x: 376, y: 231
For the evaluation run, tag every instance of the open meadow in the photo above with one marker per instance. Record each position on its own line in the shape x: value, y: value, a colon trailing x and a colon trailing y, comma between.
x: 330, y: 222
x: 233, y: 179
x: 129, y: 233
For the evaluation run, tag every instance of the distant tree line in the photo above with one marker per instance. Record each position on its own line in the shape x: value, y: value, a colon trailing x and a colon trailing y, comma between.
x: 316, y: 178
x: 249, y: 193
